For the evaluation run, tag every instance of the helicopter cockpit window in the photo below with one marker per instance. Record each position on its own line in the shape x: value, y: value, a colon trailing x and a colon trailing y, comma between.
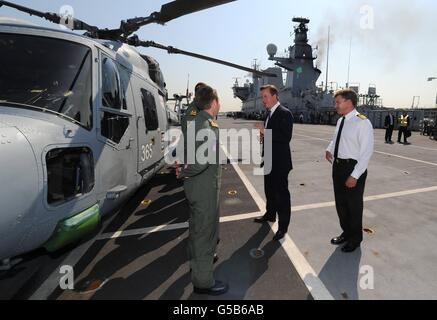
x: 114, y: 121
x: 124, y: 82
x: 149, y: 107
x: 47, y: 74
x: 111, y: 97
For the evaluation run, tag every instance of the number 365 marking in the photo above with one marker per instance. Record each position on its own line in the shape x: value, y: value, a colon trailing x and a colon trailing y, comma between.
x: 146, y: 152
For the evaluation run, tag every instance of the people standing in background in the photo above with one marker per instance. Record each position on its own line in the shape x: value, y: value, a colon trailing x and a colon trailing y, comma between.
x: 389, y: 124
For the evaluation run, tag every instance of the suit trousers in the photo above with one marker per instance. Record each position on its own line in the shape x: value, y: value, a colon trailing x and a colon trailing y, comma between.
x: 349, y: 201
x: 388, y: 133
x: 278, y: 197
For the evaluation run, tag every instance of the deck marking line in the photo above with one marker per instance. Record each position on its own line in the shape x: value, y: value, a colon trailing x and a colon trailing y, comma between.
x: 380, y: 152
x: 314, y: 285
x: 246, y: 216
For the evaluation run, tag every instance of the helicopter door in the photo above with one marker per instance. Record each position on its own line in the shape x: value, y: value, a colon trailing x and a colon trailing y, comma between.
x: 117, y: 127
x: 150, y: 152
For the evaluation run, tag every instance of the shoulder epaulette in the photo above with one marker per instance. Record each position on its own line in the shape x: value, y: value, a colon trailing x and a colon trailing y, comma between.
x: 361, y: 116
x: 213, y: 123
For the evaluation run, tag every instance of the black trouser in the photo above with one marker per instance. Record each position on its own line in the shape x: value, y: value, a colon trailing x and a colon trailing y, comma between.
x: 278, y: 198
x: 388, y: 133
x: 402, y: 130
x: 349, y: 201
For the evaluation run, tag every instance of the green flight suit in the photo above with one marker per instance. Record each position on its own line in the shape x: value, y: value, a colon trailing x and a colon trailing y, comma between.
x: 202, y: 188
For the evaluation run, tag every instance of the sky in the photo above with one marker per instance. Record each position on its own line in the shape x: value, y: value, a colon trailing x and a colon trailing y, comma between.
x: 393, y: 41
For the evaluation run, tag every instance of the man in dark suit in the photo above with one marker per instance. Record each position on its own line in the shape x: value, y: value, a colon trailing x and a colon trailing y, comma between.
x: 389, y: 124
x: 279, y: 122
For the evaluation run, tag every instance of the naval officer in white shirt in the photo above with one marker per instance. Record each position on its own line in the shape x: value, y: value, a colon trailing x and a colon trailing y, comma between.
x: 349, y: 152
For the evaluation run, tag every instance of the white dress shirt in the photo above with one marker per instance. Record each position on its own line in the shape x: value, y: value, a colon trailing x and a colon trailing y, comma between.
x: 271, y: 112
x: 356, y: 142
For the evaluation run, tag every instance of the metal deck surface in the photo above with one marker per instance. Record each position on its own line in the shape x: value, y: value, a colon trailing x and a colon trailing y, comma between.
x: 141, y: 253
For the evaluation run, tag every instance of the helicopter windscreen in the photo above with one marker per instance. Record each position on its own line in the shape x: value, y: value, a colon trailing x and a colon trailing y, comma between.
x: 47, y: 73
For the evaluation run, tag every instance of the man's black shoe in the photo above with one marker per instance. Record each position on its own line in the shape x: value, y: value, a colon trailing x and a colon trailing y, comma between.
x: 218, y: 288
x: 264, y: 219
x: 338, y: 240
x: 278, y: 236
x: 348, y: 247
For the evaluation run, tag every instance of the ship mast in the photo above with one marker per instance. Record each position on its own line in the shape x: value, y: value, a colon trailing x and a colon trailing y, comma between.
x: 349, y: 65
x: 327, y: 59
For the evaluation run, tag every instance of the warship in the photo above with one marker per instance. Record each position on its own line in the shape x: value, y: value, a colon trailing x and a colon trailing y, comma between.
x: 299, y: 92
x: 312, y: 103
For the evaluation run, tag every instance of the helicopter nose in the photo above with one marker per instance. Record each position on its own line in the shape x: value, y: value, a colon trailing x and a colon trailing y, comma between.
x: 19, y: 190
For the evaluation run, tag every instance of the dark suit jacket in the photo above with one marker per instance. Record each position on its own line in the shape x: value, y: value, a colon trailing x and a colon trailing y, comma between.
x: 387, y: 120
x: 281, y: 124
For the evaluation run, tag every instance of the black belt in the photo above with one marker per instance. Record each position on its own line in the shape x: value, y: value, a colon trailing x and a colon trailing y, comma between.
x: 342, y: 161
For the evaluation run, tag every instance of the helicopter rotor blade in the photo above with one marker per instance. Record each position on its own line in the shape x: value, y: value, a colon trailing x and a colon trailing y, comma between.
x: 179, y: 8
x: 134, y: 41
x: 169, y: 11
x: 50, y: 16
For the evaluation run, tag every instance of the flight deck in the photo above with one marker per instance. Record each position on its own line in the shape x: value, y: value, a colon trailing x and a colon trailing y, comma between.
x: 140, y: 252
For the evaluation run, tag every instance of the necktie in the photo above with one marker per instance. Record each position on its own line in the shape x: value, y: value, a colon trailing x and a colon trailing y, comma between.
x: 265, y: 127
x: 268, y: 118
x: 337, y: 142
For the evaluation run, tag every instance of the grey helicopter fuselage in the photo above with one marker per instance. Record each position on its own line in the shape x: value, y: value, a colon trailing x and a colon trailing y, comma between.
x: 82, y: 127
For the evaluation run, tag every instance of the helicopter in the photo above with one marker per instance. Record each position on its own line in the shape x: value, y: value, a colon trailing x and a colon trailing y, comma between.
x: 82, y: 123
